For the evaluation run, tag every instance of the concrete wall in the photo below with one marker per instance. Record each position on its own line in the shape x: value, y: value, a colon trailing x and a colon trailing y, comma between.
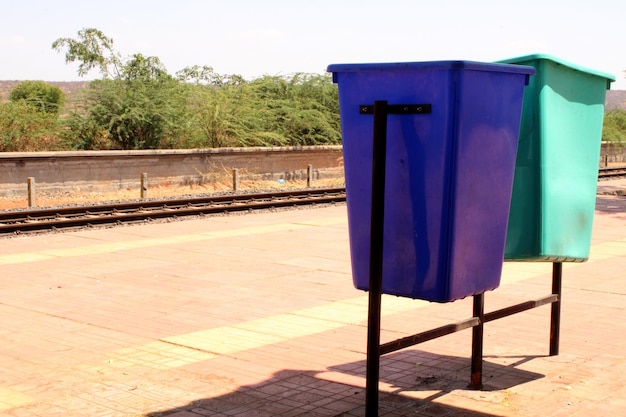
x: 612, y: 153
x: 114, y: 170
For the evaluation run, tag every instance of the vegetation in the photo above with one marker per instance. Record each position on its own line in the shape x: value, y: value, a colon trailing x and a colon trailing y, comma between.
x: 41, y: 96
x: 23, y: 128
x: 137, y: 104
x: 29, y: 121
x: 614, y: 129
x: 269, y: 111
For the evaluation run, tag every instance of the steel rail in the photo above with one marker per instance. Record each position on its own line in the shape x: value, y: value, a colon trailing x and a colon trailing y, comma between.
x: 42, y: 219
x: 39, y: 220
x: 612, y: 172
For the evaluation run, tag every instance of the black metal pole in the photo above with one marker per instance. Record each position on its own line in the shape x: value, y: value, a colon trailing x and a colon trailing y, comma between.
x: 555, y: 317
x: 476, y: 377
x: 376, y: 258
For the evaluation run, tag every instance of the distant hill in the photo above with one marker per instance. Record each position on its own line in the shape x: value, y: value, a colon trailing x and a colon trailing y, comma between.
x: 615, y: 99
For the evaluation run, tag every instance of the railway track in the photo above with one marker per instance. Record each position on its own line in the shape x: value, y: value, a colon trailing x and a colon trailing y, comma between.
x: 608, y: 173
x: 63, y: 218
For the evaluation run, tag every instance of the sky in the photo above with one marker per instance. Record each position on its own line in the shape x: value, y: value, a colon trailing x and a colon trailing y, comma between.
x: 282, y: 37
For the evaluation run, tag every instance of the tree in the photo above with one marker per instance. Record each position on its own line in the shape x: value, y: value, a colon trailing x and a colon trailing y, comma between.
x: 141, y: 106
x: 614, y: 127
x: 269, y: 111
x: 138, y: 114
x: 303, y: 108
x: 93, y: 50
x: 25, y: 129
x: 41, y: 96
x: 205, y: 75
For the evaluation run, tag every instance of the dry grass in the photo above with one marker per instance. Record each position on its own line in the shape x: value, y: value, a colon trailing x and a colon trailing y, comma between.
x: 47, y: 199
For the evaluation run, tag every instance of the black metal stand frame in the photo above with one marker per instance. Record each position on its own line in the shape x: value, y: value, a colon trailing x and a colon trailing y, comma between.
x: 374, y: 349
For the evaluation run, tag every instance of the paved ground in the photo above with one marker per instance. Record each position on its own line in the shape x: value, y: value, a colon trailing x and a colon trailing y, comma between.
x: 255, y: 315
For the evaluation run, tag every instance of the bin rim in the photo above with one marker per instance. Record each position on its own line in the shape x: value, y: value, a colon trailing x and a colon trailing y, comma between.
x: 432, y: 65
x: 547, y: 57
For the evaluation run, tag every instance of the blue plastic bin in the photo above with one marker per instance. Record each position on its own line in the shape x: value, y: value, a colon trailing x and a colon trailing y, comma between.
x: 449, y: 173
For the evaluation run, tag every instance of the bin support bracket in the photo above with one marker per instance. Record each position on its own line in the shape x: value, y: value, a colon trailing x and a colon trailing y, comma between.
x: 476, y: 323
x: 399, y: 109
x: 376, y: 257
x: 380, y: 110
x: 476, y: 371
x: 555, y: 317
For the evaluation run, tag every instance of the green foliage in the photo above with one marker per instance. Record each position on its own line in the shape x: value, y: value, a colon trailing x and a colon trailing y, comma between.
x: 84, y: 133
x: 204, y: 75
x: 93, y: 50
x: 148, y: 109
x: 302, y: 108
x: 134, y: 113
x: 139, y: 108
x: 142, y: 68
x: 270, y: 111
x: 614, y: 129
x: 40, y: 95
x: 25, y: 129
x: 138, y: 105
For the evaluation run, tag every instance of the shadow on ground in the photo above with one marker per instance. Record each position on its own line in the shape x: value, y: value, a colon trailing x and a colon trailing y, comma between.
x: 410, y: 382
x: 613, y: 205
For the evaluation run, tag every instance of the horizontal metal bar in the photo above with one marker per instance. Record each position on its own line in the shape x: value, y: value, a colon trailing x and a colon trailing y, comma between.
x: 399, y: 109
x: 465, y: 324
x: 518, y: 308
x: 427, y: 335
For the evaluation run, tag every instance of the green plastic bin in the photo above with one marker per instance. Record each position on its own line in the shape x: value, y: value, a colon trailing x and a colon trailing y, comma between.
x: 556, y: 172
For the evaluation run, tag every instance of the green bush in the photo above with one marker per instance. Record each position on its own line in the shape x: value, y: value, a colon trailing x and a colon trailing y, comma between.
x: 614, y: 129
x: 270, y: 111
x: 25, y: 129
x: 140, y: 106
x: 42, y: 96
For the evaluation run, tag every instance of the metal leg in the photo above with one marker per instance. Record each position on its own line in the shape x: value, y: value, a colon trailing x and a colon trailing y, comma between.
x: 476, y: 378
x: 373, y: 355
x: 376, y: 258
x: 555, y: 318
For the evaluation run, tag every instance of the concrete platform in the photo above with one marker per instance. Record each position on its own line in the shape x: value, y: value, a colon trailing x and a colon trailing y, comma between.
x: 256, y: 315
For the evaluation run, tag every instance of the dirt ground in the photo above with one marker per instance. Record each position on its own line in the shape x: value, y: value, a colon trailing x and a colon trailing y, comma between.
x: 47, y: 199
